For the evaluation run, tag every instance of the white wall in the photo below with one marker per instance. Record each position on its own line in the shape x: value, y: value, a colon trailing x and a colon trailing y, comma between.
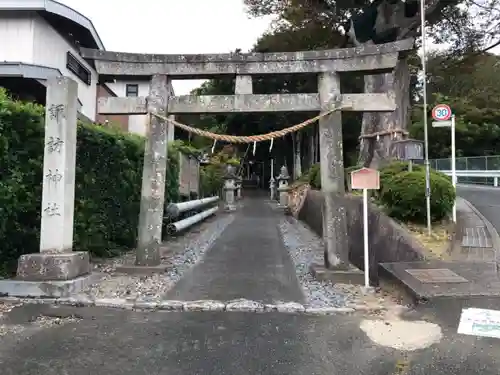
x: 16, y: 37
x: 136, y: 123
x: 49, y: 49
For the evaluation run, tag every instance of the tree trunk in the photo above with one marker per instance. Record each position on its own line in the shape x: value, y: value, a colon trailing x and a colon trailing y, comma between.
x: 298, y: 158
x: 312, y: 145
x: 375, y: 151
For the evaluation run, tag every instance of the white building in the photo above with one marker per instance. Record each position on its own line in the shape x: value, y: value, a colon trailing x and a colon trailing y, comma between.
x: 40, y: 39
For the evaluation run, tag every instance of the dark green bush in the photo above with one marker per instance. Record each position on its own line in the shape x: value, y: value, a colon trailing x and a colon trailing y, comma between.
x: 390, y: 170
x: 403, y: 196
x: 108, y: 184
x: 315, y: 176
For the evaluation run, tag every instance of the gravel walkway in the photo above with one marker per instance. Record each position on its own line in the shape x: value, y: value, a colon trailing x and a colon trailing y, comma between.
x: 306, y: 247
x: 180, y: 253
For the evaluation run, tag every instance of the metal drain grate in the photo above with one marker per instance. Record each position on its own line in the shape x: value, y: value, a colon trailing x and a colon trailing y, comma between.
x: 436, y: 275
x: 476, y: 237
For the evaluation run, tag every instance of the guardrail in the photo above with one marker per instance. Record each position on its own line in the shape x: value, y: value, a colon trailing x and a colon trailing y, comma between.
x: 494, y: 174
x: 175, y: 209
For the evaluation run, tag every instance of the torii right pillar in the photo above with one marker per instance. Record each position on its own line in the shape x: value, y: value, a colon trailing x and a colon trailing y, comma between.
x: 332, y: 174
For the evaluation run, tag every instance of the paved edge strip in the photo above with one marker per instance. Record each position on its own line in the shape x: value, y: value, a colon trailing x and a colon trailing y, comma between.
x: 495, y: 237
x: 195, y: 306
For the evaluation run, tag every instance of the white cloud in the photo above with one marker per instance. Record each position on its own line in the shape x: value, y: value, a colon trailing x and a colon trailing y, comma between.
x: 172, y: 26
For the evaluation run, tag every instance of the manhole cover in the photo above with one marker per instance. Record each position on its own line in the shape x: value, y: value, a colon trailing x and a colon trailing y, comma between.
x: 436, y: 275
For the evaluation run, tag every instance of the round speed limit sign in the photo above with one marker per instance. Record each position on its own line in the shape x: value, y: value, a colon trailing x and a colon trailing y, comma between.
x: 441, y: 112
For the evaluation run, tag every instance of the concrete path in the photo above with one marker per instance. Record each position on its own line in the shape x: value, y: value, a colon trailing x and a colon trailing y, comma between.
x: 249, y: 260
x: 113, y: 342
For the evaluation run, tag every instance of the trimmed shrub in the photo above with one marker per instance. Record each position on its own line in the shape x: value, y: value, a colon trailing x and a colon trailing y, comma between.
x: 403, y: 196
x: 108, y: 184
x: 315, y: 176
x: 390, y: 170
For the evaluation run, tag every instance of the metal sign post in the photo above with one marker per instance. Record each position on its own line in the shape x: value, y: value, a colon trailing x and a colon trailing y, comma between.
x: 426, y: 131
x: 444, y: 118
x: 365, y: 179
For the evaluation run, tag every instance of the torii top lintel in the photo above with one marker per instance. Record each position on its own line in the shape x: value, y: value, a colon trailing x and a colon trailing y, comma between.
x: 364, y: 58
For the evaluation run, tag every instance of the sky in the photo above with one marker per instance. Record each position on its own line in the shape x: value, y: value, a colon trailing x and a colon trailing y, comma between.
x: 186, y: 26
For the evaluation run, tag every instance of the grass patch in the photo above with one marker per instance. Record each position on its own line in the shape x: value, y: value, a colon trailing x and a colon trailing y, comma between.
x: 437, y: 243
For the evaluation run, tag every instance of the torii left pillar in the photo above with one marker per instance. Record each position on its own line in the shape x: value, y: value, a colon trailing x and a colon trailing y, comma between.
x: 148, y: 252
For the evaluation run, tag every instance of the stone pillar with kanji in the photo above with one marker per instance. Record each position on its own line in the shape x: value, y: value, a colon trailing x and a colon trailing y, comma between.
x: 56, y: 261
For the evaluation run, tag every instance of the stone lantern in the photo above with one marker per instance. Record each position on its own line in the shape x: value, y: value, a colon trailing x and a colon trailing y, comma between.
x: 283, y: 188
x: 229, y: 188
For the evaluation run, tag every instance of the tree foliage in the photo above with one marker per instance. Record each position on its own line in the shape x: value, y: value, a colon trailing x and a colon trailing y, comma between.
x: 465, y: 25
x: 461, y: 75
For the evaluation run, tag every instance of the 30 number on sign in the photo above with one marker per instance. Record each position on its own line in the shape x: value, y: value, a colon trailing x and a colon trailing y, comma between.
x: 441, y: 112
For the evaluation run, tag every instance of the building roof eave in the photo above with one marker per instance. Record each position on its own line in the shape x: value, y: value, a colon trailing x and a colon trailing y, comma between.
x: 53, y: 7
x: 19, y: 69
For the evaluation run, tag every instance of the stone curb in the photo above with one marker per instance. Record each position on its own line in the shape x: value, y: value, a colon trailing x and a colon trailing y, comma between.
x: 193, y: 306
x: 495, y: 237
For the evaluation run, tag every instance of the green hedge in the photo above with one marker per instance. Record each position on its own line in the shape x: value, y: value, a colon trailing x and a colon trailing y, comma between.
x: 108, y: 184
x: 403, y: 196
x: 402, y: 193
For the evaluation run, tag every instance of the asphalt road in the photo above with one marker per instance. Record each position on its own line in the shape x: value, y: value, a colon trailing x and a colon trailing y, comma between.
x: 116, y: 342
x: 486, y: 199
x: 109, y: 342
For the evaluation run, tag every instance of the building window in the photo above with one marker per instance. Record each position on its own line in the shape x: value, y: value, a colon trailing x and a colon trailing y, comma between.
x: 132, y: 90
x: 74, y: 66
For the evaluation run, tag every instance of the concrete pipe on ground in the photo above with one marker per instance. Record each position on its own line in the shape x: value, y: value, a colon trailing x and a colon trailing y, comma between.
x: 175, y: 209
x: 179, y: 226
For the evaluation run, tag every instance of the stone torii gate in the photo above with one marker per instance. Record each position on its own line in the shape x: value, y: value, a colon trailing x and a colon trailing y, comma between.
x: 328, y: 64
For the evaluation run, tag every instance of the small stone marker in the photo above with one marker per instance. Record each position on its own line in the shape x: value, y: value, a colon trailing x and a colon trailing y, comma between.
x: 365, y: 179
